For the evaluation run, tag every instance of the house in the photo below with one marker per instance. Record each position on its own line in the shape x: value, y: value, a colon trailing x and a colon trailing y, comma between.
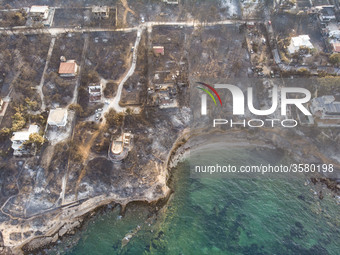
x: 57, y: 117
x: 326, y: 13
x: 250, y: 24
x: 39, y: 12
x: 326, y: 107
x: 120, y: 147
x: 171, y: 1
x: 298, y: 42
x: 19, y: 138
x: 101, y: 12
x: 68, y: 68
x: 332, y: 30
x: 336, y: 47
x: 158, y: 50
x: 95, y: 93
x: 326, y: 111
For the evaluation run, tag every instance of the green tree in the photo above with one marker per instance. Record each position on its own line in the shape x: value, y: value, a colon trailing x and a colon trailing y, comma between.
x: 303, y: 71
x: 18, y: 121
x: 335, y: 58
x: 113, y: 118
x: 77, y: 108
x: 36, y: 139
x: 5, y: 131
x: 33, y: 105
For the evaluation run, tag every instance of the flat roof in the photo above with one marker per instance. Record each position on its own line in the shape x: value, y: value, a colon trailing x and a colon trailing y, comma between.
x: 117, y: 147
x: 100, y: 9
x: 39, y: 8
x: 25, y: 134
x: 57, y: 117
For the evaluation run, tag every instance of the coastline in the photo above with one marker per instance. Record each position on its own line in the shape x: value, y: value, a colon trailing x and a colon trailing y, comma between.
x: 71, y: 218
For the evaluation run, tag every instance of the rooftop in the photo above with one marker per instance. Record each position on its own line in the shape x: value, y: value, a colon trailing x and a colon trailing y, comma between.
x: 39, y: 8
x: 299, y: 41
x: 327, y: 104
x: 25, y: 134
x: 100, y: 9
x: 69, y: 67
x: 57, y: 117
x: 117, y: 147
x: 158, y: 49
x: 336, y: 47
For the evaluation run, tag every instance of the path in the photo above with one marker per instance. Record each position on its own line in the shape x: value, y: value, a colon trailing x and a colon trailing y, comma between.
x: 114, y: 103
x: 126, y: 11
x: 41, y: 84
x: 82, y: 63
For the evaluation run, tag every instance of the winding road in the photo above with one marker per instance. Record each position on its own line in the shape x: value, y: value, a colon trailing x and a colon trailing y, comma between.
x: 114, y: 103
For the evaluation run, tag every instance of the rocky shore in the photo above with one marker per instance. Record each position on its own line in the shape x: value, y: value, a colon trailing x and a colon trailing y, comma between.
x: 56, y: 223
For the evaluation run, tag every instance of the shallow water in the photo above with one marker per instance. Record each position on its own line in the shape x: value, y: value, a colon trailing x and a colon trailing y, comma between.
x: 220, y: 216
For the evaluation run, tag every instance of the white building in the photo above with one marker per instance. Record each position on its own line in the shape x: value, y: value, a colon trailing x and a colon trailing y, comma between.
x: 95, y: 93
x: 120, y: 147
x: 19, y: 138
x: 39, y: 12
x: 171, y: 1
x: 1, y: 104
x: 57, y: 117
x: 299, y: 41
x: 101, y: 12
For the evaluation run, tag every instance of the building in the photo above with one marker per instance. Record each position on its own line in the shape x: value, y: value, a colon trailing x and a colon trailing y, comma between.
x: 332, y: 30
x: 19, y: 138
x: 326, y: 107
x: 326, y: 111
x: 336, y: 47
x: 120, y: 147
x: 95, y: 93
x: 101, y: 12
x: 326, y: 13
x: 68, y: 68
x: 298, y: 42
x: 171, y: 1
x: 1, y: 104
x: 158, y: 50
x: 250, y: 24
x: 57, y: 117
x: 39, y: 12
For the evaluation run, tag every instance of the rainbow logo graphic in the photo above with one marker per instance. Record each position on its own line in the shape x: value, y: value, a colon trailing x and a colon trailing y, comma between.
x: 209, y: 93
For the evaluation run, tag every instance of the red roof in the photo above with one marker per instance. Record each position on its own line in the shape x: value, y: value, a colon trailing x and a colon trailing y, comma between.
x: 158, y: 49
x: 336, y: 47
x: 67, y: 68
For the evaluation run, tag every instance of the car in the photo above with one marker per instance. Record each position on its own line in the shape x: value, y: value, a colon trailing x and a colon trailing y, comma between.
x: 142, y: 19
x: 251, y: 51
x: 100, y: 109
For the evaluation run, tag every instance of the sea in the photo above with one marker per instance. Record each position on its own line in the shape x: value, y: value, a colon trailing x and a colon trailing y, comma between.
x: 209, y: 215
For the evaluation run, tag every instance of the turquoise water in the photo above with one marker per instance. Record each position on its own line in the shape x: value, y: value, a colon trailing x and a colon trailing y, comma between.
x: 219, y: 216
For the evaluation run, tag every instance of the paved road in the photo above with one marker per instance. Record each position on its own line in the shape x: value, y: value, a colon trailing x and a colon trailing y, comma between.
x: 114, y: 103
x: 55, y: 31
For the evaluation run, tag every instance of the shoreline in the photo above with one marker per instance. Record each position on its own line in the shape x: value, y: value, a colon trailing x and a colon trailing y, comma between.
x: 70, y: 219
